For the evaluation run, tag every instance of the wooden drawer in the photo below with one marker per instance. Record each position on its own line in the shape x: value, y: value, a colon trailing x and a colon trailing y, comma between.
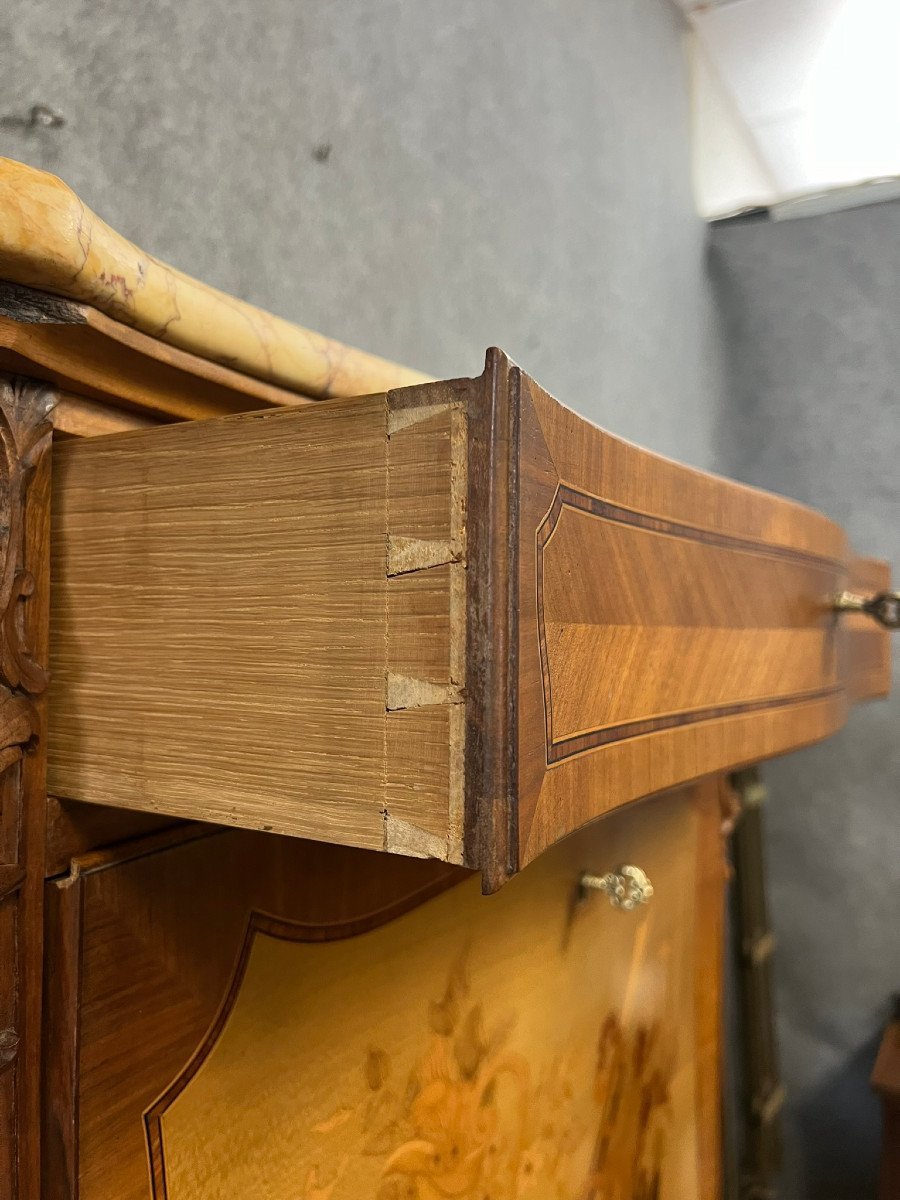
x: 453, y: 620
x: 266, y: 1018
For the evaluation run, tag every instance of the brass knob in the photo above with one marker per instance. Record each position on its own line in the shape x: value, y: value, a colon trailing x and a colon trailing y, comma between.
x: 626, y: 887
x: 883, y: 607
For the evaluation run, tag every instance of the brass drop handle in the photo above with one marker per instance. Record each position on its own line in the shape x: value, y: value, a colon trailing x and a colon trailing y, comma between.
x: 626, y: 887
x: 883, y: 607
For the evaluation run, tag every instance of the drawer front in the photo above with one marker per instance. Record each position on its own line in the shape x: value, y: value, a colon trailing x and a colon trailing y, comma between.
x: 530, y: 1043
x: 670, y: 624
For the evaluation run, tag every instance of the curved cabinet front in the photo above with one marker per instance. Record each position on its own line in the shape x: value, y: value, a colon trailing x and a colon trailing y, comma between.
x: 281, y: 1028
x: 456, y: 621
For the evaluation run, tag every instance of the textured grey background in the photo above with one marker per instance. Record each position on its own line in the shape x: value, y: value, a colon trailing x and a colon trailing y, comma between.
x: 512, y: 172
x: 810, y: 313
x: 517, y: 173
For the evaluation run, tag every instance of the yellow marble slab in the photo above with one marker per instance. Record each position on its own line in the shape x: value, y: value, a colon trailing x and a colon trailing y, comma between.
x: 51, y: 241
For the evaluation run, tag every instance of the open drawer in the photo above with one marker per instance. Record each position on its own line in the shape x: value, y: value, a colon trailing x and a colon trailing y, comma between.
x: 454, y: 620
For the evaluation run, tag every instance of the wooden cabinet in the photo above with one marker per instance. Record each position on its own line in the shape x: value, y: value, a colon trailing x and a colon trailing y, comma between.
x: 333, y: 650
x: 270, y: 1018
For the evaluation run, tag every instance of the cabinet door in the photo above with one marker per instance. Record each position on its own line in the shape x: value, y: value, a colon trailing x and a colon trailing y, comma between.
x: 268, y: 1018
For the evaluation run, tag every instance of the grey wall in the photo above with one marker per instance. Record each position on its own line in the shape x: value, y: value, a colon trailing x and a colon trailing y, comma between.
x: 513, y: 172
x: 810, y: 310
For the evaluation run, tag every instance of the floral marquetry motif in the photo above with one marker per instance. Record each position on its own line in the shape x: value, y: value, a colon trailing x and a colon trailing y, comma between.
x: 474, y: 1120
x: 632, y: 1090
x: 535, y: 1045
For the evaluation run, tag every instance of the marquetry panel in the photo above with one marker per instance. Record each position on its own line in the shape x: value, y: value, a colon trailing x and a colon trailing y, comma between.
x: 693, y: 621
x: 143, y: 940
x: 485, y: 1061
x: 523, y: 1044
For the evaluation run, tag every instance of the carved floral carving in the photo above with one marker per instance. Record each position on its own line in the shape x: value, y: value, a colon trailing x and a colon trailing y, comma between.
x: 25, y: 432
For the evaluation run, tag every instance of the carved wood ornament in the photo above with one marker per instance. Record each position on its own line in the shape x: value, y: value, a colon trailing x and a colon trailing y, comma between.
x: 25, y: 432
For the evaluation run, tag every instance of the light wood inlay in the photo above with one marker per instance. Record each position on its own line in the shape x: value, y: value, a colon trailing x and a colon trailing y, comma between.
x: 521, y: 1046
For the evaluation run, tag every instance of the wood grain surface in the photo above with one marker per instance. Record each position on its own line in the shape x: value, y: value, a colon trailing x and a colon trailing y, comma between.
x: 25, y: 433
x: 51, y: 241
x: 485, y: 620
x: 558, y: 1044
x: 272, y: 630
x: 142, y: 941
x: 671, y: 623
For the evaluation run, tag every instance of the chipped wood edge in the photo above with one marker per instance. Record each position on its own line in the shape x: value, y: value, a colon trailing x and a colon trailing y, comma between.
x: 406, y: 554
x: 402, y: 837
x: 404, y: 691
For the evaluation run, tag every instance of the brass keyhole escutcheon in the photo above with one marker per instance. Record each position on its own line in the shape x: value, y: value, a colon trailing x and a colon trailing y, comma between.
x: 884, y: 607
x: 626, y: 887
